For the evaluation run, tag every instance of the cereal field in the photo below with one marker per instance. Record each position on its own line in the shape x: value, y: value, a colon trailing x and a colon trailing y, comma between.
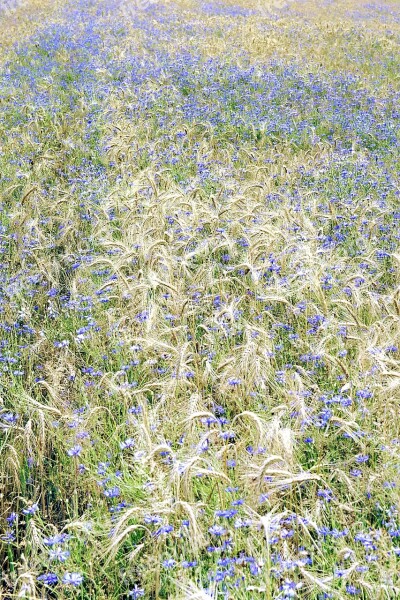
x: 200, y: 299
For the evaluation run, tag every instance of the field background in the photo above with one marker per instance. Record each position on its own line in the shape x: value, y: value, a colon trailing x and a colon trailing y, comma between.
x: 199, y: 299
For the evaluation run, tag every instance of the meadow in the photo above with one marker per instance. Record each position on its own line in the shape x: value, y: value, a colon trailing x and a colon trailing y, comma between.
x: 199, y: 299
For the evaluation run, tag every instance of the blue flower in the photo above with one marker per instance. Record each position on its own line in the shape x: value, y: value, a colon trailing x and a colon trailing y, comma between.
x: 59, y: 538
x: 75, y: 450
x: 30, y: 510
x: 8, y: 537
x: 113, y: 492
x: 226, y: 514
x: 352, y: 590
x: 137, y: 592
x: 188, y: 564
x: 12, y: 517
x: 142, y: 316
x: 164, y: 530
x: 48, y: 578
x: 217, y: 530
x: 74, y: 579
x: 59, y: 554
x: 289, y: 589
x: 128, y: 443
x: 169, y: 563
x: 156, y: 519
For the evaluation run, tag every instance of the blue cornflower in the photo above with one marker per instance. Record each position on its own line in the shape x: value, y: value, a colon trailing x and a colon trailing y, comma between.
x: 156, y: 519
x: 30, y: 510
x: 169, y: 563
x: 356, y: 472
x: 137, y: 592
x: 112, y: 492
x: 59, y: 554
x: 74, y: 579
x: 142, y: 316
x: 10, y: 418
x: 227, y: 435
x: 128, y: 443
x: 12, y: 517
x: 48, y: 578
x: 325, y: 494
x: 59, y: 538
x: 226, y: 514
x: 165, y: 529
x: 8, y: 537
x: 217, y: 530
x: 362, y: 458
x: 75, y: 450
x: 364, y: 394
x: 391, y: 349
x: 187, y: 564
x: 289, y: 589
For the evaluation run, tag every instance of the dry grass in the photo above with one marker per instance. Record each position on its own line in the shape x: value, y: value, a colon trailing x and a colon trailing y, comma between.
x: 200, y: 301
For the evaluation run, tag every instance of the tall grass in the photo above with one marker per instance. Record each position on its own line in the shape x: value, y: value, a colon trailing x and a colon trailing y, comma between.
x: 200, y: 300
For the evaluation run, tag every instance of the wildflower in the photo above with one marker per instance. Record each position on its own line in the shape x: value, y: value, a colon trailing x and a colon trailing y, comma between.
x: 362, y: 458
x: 142, y: 316
x: 59, y: 538
x: 185, y: 522
x: 75, y: 450
x: 240, y: 523
x: 128, y: 443
x: 169, y: 563
x: 325, y: 494
x: 226, y: 514
x: 163, y: 530
x: 227, y: 435
x: 30, y: 510
x: 289, y: 589
x: 8, y: 537
x: 112, y: 492
x: 59, y: 554
x: 352, y: 590
x: 356, y: 472
x: 217, y: 530
x: 391, y: 349
x: 48, y: 578
x: 187, y: 564
x: 371, y: 557
x: 61, y: 344
x: 152, y: 519
x: 12, y: 517
x: 9, y: 417
x: 238, y: 502
x: 137, y: 592
x: 364, y: 394
x: 74, y: 579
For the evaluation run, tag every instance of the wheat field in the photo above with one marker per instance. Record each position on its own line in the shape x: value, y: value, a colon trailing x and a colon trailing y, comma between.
x: 199, y: 299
